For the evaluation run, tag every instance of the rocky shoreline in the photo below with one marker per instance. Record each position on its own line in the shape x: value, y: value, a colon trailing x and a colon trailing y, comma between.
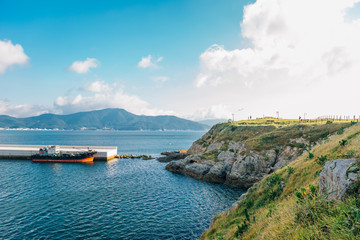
x: 173, y: 155
x: 240, y: 155
x: 235, y: 166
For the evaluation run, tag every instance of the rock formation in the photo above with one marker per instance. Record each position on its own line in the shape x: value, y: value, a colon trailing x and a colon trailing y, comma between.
x: 241, y: 155
x: 235, y: 166
x: 337, y: 176
x: 173, y: 155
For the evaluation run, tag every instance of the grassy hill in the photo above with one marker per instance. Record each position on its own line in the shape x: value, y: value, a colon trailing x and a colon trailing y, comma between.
x: 286, y: 204
x: 262, y: 135
x: 118, y: 119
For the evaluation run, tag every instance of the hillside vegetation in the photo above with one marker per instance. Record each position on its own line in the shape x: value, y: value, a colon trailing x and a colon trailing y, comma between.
x: 240, y: 154
x: 262, y: 135
x: 286, y: 204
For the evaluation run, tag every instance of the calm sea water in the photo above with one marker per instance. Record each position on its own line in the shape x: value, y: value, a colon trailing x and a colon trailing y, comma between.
x: 120, y: 199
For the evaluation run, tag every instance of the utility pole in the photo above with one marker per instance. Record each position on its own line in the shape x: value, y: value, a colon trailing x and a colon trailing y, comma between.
x: 278, y: 116
x: 305, y: 117
x: 233, y: 114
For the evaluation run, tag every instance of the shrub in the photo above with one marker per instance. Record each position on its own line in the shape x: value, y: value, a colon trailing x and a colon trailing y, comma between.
x: 351, y: 153
x: 343, y: 142
x: 317, y: 173
x: 273, y: 179
x: 324, y: 218
x: 340, y: 131
x: 271, y: 208
x: 245, y: 225
x: 249, y: 203
x: 322, y: 160
x: 290, y: 170
x: 310, y: 155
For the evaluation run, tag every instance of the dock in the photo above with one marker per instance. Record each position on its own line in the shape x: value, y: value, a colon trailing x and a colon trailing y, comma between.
x: 104, y: 153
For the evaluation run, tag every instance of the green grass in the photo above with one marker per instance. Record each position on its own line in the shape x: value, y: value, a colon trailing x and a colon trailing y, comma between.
x: 286, y: 122
x: 286, y: 204
x: 258, y: 136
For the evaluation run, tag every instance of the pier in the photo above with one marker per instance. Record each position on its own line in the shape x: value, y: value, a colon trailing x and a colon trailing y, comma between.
x: 104, y: 153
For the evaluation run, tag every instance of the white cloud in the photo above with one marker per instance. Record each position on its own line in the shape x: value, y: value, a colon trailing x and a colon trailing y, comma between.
x: 302, y: 53
x: 218, y: 111
x: 82, y: 67
x: 100, y: 95
x: 11, y: 54
x: 98, y: 86
x: 148, y: 62
x: 160, y: 79
x: 21, y: 110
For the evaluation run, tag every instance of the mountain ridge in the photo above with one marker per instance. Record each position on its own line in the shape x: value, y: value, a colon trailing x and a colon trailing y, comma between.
x: 110, y: 118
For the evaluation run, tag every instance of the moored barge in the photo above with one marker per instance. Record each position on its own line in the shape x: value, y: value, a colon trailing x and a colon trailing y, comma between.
x: 53, y: 154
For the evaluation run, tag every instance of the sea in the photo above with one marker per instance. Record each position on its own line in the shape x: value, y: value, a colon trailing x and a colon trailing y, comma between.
x: 119, y: 199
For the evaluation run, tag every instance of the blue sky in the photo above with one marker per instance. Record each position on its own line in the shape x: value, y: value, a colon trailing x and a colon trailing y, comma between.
x: 118, y: 34
x: 192, y: 78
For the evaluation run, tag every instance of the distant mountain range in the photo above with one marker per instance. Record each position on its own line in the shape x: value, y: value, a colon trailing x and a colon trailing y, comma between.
x: 117, y: 119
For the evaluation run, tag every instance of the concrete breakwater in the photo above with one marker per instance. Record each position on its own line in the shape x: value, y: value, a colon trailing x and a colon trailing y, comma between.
x: 133, y: 156
x: 8, y: 151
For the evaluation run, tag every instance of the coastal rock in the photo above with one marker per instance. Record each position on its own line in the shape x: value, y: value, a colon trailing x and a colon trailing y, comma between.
x: 192, y: 166
x: 173, y: 155
x: 226, y: 156
x: 198, y: 170
x: 246, y: 171
x: 237, y: 147
x: 285, y: 157
x: 300, y: 140
x: 336, y: 177
x: 236, y: 166
x: 270, y: 156
x: 217, y: 173
x: 195, y: 148
x: 214, y: 146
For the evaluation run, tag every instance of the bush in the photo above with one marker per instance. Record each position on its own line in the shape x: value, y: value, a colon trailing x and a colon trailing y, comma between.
x: 273, y: 179
x: 244, y: 226
x: 351, y: 153
x: 343, y: 142
x: 310, y: 155
x: 322, y: 160
x: 290, y: 170
x: 317, y: 173
x: 354, y: 189
x: 325, y: 219
x: 340, y: 131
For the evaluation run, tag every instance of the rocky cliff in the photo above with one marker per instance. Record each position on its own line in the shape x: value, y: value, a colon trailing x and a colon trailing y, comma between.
x: 241, y: 155
x: 316, y: 196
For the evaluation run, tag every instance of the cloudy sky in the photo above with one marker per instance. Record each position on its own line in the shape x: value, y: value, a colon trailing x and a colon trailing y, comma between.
x: 195, y: 59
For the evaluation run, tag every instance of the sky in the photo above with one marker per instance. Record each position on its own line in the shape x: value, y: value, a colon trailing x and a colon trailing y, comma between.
x: 198, y: 59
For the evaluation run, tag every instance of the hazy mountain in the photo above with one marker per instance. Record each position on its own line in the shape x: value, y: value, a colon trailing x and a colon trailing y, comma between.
x: 118, y: 119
